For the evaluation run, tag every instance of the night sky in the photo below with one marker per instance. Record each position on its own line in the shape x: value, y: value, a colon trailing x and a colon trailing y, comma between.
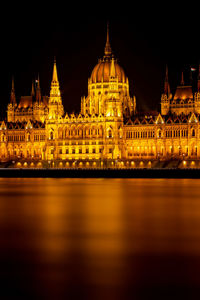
x: 144, y: 38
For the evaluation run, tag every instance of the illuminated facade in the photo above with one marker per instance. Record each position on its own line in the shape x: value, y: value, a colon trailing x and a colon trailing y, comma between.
x: 108, y: 131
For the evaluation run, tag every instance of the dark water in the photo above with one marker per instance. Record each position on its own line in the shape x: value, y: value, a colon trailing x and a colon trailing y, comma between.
x: 99, y: 239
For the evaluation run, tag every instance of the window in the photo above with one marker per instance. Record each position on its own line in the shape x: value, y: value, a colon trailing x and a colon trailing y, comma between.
x: 110, y: 133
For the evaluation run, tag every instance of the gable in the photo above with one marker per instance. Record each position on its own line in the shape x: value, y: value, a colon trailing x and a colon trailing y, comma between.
x: 193, y: 119
x: 159, y: 120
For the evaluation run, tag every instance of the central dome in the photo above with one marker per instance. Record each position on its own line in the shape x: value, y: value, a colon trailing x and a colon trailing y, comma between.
x: 102, y: 71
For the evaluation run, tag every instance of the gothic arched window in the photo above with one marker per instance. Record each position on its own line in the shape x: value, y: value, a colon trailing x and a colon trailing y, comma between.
x: 110, y: 133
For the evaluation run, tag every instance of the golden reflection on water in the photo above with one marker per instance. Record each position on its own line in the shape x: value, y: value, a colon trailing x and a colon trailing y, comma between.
x: 104, y: 236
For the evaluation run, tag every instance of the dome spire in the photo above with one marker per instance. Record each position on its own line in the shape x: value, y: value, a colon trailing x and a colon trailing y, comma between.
x: 107, y: 50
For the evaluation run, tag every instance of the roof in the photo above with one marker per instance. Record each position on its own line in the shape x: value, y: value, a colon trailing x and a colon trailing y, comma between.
x: 103, y: 71
x: 25, y: 101
x: 168, y: 119
x: 22, y: 125
x: 183, y: 92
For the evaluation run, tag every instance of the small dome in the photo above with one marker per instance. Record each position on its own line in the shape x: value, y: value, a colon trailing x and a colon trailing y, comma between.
x: 103, y: 68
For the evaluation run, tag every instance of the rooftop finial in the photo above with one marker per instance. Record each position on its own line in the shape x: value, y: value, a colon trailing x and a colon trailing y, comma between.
x: 107, y: 50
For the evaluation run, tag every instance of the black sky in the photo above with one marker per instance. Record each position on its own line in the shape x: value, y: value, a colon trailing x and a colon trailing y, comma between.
x: 144, y: 37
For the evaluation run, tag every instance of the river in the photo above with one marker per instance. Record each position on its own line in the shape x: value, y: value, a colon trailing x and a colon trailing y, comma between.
x: 99, y: 238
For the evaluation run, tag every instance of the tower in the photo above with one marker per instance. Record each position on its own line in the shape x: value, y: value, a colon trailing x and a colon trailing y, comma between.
x: 166, y: 96
x: 55, y: 102
x: 108, y: 87
x: 12, y: 105
x: 197, y: 95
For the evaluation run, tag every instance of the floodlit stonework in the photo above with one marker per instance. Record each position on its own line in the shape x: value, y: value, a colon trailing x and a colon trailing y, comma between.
x: 108, y: 131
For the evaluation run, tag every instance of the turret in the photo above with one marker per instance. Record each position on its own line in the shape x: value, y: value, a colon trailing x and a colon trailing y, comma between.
x: 55, y: 102
x: 12, y: 104
x: 166, y: 96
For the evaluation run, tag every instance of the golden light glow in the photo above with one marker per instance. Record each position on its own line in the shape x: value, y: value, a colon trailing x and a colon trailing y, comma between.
x: 107, y: 132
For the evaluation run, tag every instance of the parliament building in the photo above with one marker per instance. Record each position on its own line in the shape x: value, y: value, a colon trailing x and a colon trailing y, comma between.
x: 108, y: 132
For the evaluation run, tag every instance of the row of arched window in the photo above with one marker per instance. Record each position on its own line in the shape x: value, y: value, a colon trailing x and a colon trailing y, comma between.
x: 80, y: 133
x: 21, y: 138
x: 151, y: 134
x: 140, y: 134
x: 16, y: 138
x: 178, y: 133
x: 80, y: 151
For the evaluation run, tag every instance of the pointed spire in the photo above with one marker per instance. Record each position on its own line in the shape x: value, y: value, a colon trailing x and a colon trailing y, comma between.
x: 55, y: 74
x: 167, y: 87
x: 38, y: 91
x: 55, y: 88
x: 12, y: 94
x: 112, y: 68
x: 13, y: 88
x: 33, y: 89
x: 107, y: 50
x: 182, y: 79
